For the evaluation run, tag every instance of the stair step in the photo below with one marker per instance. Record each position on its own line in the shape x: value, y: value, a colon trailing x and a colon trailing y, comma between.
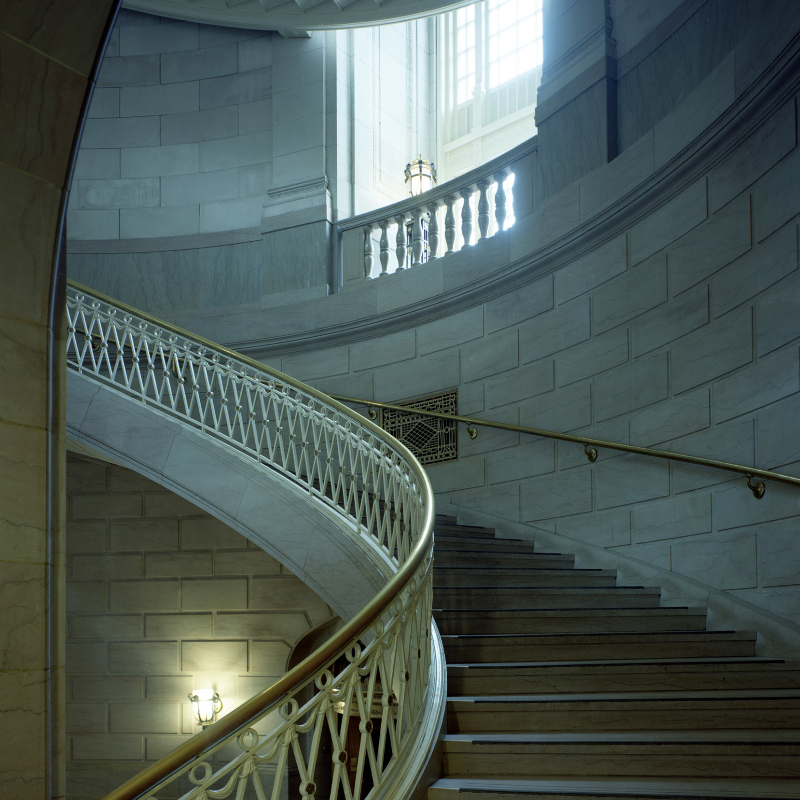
x: 679, y: 753
x: 443, y: 519
x: 625, y: 711
x: 485, y: 545
x: 483, y: 559
x: 614, y: 789
x: 449, y: 529
x: 476, y: 577
x: 485, y: 648
x: 697, y: 674
x: 577, y: 620
x: 546, y: 597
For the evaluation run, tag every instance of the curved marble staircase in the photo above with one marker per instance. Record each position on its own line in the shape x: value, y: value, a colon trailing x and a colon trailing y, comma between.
x: 563, y: 685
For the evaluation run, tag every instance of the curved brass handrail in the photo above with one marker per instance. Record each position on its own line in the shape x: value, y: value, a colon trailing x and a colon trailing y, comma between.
x: 591, y: 446
x: 241, y: 717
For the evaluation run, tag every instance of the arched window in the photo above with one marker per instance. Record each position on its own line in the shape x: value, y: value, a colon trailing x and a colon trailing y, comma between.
x: 491, y: 67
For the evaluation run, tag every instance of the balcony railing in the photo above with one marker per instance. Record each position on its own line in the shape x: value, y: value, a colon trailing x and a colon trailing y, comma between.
x: 384, y: 657
x: 457, y: 214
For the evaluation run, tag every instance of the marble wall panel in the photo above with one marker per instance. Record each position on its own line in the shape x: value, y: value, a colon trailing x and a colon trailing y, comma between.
x: 670, y: 321
x: 711, y: 352
x: 170, y: 98
x: 565, y: 326
x: 628, y: 480
x: 725, y: 561
x: 675, y: 218
x: 778, y: 316
x: 206, y: 62
x: 755, y: 271
x: 630, y: 387
x: 130, y: 71
x: 774, y: 198
x: 199, y: 126
x: 685, y: 516
x: 771, y: 379
x: 530, y: 300
x: 593, y: 269
x: 169, y: 36
x: 490, y: 356
x: 450, y: 331
x: 605, y: 529
x: 557, y: 495
x: 519, y: 384
x: 630, y: 294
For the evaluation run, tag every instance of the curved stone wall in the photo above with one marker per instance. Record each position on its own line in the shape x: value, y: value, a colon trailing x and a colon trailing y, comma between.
x: 655, y: 301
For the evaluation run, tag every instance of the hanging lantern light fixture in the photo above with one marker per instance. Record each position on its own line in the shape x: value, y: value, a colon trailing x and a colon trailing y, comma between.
x: 420, y: 176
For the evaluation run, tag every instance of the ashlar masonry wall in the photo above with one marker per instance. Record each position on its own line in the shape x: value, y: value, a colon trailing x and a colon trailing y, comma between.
x: 162, y: 599
x: 681, y: 331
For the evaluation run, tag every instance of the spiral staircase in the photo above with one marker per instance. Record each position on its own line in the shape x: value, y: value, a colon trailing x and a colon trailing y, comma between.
x: 559, y: 683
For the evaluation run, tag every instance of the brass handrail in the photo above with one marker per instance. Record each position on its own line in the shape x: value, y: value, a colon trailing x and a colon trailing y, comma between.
x: 591, y: 446
x: 242, y: 716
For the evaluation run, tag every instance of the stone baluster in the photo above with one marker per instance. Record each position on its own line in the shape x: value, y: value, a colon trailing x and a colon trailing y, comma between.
x: 500, y: 199
x: 433, y: 231
x: 449, y: 224
x: 369, y: 259
x: 384, y: 254
x: 400, y: 241
x: 416, y: 237
x: 466, y: 216
x: 483, y: 208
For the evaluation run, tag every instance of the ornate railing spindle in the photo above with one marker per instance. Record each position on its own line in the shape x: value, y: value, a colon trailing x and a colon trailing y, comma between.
x: 450, y: 224
x: 466, y: 216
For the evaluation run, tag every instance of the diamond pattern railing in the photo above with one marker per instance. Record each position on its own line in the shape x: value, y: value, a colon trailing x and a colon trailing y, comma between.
x: 374, y: 672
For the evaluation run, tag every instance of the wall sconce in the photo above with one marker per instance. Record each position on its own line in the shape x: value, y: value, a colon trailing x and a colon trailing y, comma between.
x: 206, y: 705
x: 420, y: 176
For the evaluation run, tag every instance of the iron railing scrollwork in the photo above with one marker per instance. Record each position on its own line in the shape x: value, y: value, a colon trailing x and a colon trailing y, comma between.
x: 375, y: 671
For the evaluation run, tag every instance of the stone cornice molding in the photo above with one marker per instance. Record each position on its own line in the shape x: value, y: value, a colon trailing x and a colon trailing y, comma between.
x: 777, y: 84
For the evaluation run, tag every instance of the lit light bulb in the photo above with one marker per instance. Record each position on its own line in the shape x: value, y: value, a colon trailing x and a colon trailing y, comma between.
x: 207, y: 705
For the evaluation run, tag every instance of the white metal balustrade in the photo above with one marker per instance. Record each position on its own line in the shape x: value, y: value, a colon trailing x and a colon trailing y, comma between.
x: 383, y: 657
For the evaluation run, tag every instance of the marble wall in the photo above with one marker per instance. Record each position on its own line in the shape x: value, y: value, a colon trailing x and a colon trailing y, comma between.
x: 216, y: 160
x: 162, y: 599
x: 659, y: 307
x: 47, y: 50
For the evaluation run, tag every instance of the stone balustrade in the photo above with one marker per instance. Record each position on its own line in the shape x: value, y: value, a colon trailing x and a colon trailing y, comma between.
x: 413, y: 227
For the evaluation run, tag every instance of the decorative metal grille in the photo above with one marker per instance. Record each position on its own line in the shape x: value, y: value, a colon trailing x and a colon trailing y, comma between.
x: 431, y: 440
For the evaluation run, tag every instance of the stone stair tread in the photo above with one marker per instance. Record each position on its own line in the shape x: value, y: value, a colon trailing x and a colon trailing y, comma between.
x: 479, y: 568
x: 484, y: 552
x: 756, y: 660
x: 643, y: 611
x: 722, y: 694
x: 628, y: 636
x: 552, y: 589
x: 672, y: 787
x: 746, y: 736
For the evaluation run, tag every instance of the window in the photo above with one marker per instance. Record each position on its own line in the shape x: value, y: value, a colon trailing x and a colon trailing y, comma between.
x: 491, y: 67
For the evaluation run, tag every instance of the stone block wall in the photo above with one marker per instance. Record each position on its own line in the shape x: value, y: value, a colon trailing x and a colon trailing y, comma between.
x: 680, y: 332
x: 162, y: 599
x: 179, y: 135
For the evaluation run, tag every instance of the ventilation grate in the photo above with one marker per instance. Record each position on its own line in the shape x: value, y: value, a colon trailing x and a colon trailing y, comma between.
x: 431, y: 440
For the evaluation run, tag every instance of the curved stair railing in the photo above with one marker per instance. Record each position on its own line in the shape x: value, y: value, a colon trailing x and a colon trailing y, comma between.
x: 378, y: 666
